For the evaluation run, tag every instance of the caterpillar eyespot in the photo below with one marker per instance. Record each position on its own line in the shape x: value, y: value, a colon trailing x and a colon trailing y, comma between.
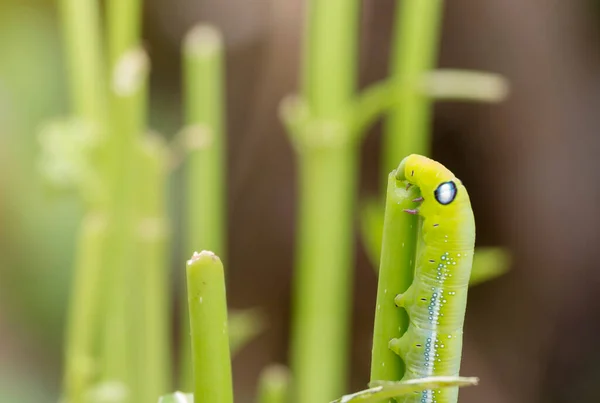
x: 436, y: 300
x: 445, y: 193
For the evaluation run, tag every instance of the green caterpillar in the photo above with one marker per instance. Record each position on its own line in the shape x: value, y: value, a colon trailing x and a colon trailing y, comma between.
x: 436, y: 300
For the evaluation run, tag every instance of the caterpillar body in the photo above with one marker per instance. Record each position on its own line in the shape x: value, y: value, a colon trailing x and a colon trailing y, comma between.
x: 436, y: 300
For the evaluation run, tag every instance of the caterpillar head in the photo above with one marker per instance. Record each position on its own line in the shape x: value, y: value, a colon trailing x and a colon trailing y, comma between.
x: 440, y: 189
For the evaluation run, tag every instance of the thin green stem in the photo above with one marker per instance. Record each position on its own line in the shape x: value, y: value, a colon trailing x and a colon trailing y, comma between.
x: 204, y: 140
x: 414, y: 50
x: 274, y: 385
x: 81, y: 33
x: 396, y: 272
x: 329, y: 79
x: 152, y: 363
x: 81, y: 359
x: 328, y: 165
x: 447, y: 84
x: 128, y: 117
x: 208, y: 323
x: 324, y: 277
x: 123, y: 27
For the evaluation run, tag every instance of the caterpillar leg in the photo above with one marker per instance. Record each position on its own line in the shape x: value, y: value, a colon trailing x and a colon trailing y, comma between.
x: 404, y: 299
x: 400, y: 345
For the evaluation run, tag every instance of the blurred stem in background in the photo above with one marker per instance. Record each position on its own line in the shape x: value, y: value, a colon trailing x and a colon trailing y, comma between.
x: 85, y: 67
x: 81, y: 33
x: 128, y: 120
x: 208, y: 324
x: 153, y: 358
x: 327, y: 158
x: 204, y: 142
x: 84, y: 318
x: 414, y: 49
x: 124, y: 26
x: 274, y: 385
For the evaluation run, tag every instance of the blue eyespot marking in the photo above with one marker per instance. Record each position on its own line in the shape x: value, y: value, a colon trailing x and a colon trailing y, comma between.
x: 445, y: 193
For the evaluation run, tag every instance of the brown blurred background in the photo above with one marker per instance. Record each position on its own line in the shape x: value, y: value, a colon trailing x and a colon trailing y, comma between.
x: 531, y: 164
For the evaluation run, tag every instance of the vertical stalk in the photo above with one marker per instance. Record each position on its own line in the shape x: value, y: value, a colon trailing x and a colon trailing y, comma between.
x: 395, y: 276
x: 406, y: 131
x: 204, y: 139
x: 128, y: 70
x: 123, y: 27
x: 274, y: 385
x: 153, y: 367
x: 81, y: 34
x: 128, y: 116
x: 208, y: 323
x: 414, y: 49
x: 81, y: 358
x: 328, y: 160
x: 323, y: 278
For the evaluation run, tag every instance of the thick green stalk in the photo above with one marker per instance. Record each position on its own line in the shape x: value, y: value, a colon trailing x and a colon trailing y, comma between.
x: 204, y: 141
x: 274, y: 385
x: 85, y: 67
x: 330, y: 45
x: 123, y: 27
x: 208, y: 323
x: 414, y: 50
x: 396, y: 271
x: 328, y: 163
x: 128, y: 117
x: 81, y: 359
x: 152, y: 364
x: 323, y: 278
x: 81, y: 35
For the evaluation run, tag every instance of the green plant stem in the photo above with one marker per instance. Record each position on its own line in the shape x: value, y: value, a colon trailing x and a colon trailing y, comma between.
x: 274, y: 385
x: 123, y: 27
x: 328, y: 164
x: 396, y: 272
x: 128, y: 117
x: 81, y: 33
x: 208, y: 323
x: 204, y: 141
x: 84, y: 310
x: 323, y: 278
x: 447, y: 84
x: 414, y: 49
x: 152, y: 364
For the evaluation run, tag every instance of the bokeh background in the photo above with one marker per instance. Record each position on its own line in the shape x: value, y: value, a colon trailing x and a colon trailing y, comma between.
x: 531, y: 164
